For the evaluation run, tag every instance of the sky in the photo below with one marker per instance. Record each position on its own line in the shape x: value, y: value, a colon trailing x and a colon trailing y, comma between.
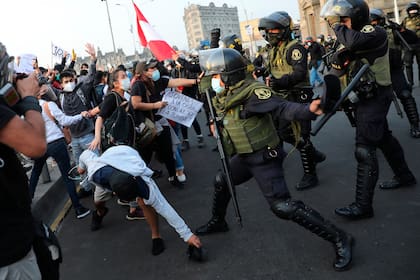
x: 28, y: 26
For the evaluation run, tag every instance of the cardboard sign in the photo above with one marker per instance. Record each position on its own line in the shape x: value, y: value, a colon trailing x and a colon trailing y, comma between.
x: 181, y: 108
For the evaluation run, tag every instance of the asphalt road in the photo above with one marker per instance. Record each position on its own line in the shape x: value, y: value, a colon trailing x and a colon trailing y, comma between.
x: 266, y: 247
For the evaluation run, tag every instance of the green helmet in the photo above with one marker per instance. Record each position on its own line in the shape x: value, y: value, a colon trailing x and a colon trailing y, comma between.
x: 229, y: 63
x: 378, y: 15
x: 357, y: 10
x: 277, y: 20
x: 232, y: 42
x: 412, y: 9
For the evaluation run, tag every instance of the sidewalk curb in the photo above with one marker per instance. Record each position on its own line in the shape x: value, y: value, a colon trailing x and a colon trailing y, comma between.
x: 52, y: 207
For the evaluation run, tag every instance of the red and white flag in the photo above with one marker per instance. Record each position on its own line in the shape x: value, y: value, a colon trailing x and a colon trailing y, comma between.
x: 150, y: 39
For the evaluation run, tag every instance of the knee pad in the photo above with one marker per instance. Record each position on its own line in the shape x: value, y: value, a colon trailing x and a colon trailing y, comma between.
x: 286, y: 209
x: 405, y: 94
x: 365, y: 153
x: 220, y: 181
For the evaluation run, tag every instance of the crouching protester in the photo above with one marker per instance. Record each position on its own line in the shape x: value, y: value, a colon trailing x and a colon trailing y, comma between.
x: 121, y: 170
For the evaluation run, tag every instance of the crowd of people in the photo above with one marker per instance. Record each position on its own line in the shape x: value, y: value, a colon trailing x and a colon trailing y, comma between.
x: 258, y: 106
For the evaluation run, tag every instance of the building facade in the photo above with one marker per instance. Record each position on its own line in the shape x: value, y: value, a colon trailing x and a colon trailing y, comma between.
x: 311, y: 24
x: 200, y: 20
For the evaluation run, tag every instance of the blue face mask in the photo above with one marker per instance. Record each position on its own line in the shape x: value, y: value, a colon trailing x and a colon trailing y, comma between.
x: 215, y: 85
x: 156, y: 75
x: 125, y: 84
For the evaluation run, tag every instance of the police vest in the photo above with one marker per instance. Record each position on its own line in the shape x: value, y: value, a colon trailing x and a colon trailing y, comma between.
x: 253, y: 133
x: 380, y: 66
x: 278, y: 64
x: 391, y: 40
x: 413, y: 24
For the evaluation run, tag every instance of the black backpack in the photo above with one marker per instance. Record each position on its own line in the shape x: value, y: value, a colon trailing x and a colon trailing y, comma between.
x: 118, y: 129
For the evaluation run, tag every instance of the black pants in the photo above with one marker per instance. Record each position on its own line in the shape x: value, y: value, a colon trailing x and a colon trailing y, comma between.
x: 162, y: 145
x: 268, y: 172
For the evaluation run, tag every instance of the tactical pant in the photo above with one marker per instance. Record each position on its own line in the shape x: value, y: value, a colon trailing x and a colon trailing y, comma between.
x: 403, y: 91
x: 408, y: 57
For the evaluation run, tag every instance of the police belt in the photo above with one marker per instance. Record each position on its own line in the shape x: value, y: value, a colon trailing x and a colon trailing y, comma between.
x: 300, y: 95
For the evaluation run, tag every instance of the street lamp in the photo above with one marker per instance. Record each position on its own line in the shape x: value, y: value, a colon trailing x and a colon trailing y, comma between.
x: 110, y: 26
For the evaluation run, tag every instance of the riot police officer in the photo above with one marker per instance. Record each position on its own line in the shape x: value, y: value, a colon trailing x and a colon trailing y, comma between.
x: 246, y: 108
x: 412, y: 22
x: 367, y: 44
x: 399, y: 82
x: 288, y: 76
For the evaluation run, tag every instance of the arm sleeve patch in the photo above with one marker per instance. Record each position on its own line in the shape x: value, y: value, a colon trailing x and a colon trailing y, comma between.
x: 263, y: 93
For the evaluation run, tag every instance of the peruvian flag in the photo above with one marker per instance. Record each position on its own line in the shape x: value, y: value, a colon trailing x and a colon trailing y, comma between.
x: 150, y: 39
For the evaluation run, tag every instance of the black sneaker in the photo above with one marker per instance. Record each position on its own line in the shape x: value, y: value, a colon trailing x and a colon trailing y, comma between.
x: 200, y: 141
x: 175, y: 182
x: 158, y: 246
x: 136, y: 215
x: 123, y: 202
x: 157, y: 173
x: 82, y: 212
x: 97, y: 220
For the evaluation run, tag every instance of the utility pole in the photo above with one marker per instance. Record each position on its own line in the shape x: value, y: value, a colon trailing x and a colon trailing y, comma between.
x: 110, y: 27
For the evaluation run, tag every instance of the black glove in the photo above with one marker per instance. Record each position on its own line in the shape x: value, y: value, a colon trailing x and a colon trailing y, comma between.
x: 259, y: 71
x: 275, y: 83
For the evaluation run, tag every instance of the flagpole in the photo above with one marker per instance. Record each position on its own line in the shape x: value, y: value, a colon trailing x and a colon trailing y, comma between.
x: 110, y: 26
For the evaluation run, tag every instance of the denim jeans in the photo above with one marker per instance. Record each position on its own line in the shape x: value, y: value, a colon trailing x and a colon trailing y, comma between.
x: 78, y: 145
x: 58, y: 151
x: 314, y: 77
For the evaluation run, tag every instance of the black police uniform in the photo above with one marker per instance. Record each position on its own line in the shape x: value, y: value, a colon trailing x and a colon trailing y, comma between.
x: 400, y: 85
x: 371, y: 124
x: 292, y: 85
x: 246, y: 109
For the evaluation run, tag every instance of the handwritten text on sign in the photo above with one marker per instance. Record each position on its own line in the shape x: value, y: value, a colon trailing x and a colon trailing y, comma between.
x: 181, y: 108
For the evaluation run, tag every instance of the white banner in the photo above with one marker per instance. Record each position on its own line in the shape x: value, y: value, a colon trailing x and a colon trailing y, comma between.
x: 181, y: 108
x: 58, y: 52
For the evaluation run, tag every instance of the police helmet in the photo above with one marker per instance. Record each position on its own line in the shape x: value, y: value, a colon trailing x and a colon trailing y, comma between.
x: 232, y: 42
x: 412, y: 8
x: 229, y: 63
x: 277, y: 20
x: 377, y: 15
x: 321, y: 36
x: 309, y: 39
x: 356, y: 10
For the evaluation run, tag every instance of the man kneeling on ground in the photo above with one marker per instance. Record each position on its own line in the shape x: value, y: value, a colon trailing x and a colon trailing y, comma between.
x: 134, y: 183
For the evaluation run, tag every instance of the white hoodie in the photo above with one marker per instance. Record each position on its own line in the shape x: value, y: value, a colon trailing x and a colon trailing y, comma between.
x: 127, y: 159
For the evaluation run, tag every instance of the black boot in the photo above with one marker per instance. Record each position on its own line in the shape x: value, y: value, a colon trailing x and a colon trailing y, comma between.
x: 394, y: 155
x: 410, y: 108
x: 367, y: 176
x: 311, y: 220
x: 221, y: 199
x: 309, y: 179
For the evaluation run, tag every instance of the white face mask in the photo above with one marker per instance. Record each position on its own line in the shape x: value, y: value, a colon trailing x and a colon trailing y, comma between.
x: 69, y: 87
x: 125, y: 84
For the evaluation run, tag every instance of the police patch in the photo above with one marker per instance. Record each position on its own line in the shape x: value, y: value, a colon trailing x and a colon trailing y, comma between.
x: 368, y: 29
x: 296, y: 54
x: 262, y: 93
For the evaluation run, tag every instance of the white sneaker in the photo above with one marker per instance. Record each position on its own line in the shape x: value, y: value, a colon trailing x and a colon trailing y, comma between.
x: 181, y: 178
